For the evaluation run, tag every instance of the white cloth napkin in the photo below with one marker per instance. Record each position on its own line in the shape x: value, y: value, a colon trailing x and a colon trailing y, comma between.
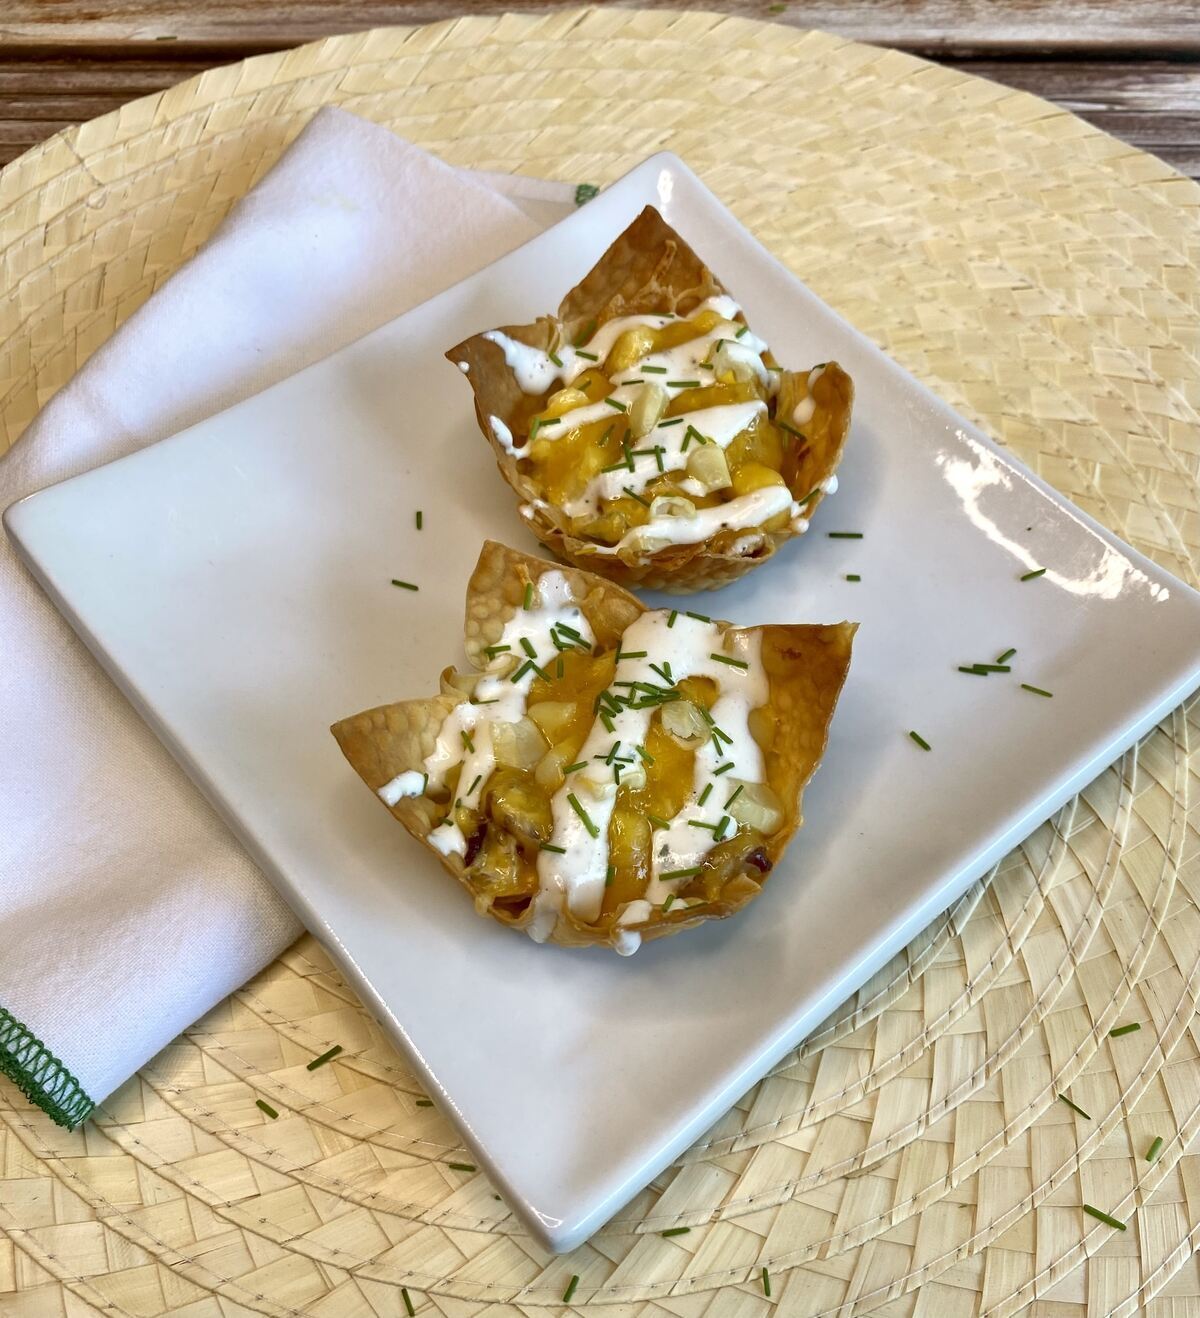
x: 127, y: 910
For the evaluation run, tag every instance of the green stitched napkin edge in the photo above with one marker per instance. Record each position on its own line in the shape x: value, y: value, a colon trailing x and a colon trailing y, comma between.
x: 39, y: 1075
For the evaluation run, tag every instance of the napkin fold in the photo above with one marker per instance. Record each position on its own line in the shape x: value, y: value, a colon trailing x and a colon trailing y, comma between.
x: 127, y: 909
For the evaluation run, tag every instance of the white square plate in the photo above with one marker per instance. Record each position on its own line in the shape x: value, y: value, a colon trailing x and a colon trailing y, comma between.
x: 235, y: 581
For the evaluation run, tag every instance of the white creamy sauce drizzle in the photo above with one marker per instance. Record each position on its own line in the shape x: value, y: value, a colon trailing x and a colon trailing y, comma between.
x: 721, y: 425
x: 504, y: 436
x: 408, y: 783
x: 577, y: 876
x: 535, y: 373
x: 740, y: 514
x: 553, y: 605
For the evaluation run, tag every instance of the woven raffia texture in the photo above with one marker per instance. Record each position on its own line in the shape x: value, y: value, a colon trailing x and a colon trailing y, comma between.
x: 911, y: 1159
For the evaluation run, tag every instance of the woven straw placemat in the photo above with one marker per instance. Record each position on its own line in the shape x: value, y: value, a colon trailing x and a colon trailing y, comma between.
x: 911, y: 1158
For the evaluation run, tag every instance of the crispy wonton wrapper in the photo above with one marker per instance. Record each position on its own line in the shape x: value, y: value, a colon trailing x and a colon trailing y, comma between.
x: 805, y: 665
x: 648, y: 269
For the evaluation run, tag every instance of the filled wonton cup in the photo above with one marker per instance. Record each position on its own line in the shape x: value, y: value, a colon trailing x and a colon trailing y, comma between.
x: 605, y: 773
x: 651, y: 437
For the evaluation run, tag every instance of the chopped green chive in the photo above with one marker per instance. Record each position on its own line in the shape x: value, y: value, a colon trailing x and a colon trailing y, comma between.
x: 631, y: 654
x: 1030, y: 576
x: 654, y: 370
x: 528, y: 600
x: 527, y: 646
x: 588, y: 356
x: 634, y: 495
x: 766, y: 1283
x: 609, y: 875
x: 424, y: 1102
x: 683, y: 384
x: 674, y: 421
x: 616, y: 402
x: 475, y: 784
x: 674, y: 1231
x: 408, y: 1304
x: 549, y: 846
x: 466, y: 739
x: 734, y: 797
x: 555, y: 358
x: 264, y: 1106
x: 1124, y: 1029
x: 1155, y: 1149
x: 325, y: 1057
x: 420, y: 518
x: 493, y: 650
x: 733, y: 663
x: 973, y: 669
x: 584, y: 334
x: 671, y: 619
x: 1005, y: 657
x: 704, y: 795
x: 461, y: 1166
x: 572, y: 768
x: 559, y: 667
x: 700, y: 617
x: 853, y: 576
x: 680, y: 874
x: 571, y: 1288
x: 666, y: 906
x: 723, y: 769
x: 699, y: 823
x: 404, y: 585
x: 784, y: 425
x: 495, y: 700
x: 1075, y: 1107
x: 645, y: 758
x: 845, y: 535
x: 719, y: 835
x: 584, y: 817
x: 1103, y: 1217
x: 924, y: 745
x: 992, y: 668
x: 657, y: 822
x: 1037, y: 690
x: 606, y: 719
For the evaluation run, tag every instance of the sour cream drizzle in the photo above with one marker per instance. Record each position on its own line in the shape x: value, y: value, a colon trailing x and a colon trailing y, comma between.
x: 506, y: 701
x: 575, y: 879
x: 721, y: 425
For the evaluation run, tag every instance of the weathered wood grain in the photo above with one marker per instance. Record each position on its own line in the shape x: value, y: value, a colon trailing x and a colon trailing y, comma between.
x: 1132, y: 67
x: 958, y: 26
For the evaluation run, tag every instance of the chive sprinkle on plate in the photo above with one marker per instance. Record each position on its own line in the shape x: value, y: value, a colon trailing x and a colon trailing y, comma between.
x: 924, y: 745
x: 1005, y: 657
x: 766, y: 1283
x: 1124, y: 1029
x: 1032, y: 576
x: 1106, y: 1218
x: 1155, y: 1149
x: 853, y: 576
x: 571, y: 1288
x: 461, y: 1166
x: 528, y: 600
x: 424, y: 1102
x: 1037, y: 690
x: 325, y: 1057
x: 420, y: 518
x: 845, y: 535
x: 674, y: 1231
x: 404, y: 585
x: 408, y: 1304
x: 733, y: 663
x: 264, y: 1106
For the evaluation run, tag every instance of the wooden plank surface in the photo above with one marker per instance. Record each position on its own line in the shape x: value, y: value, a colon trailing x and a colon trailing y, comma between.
x: 1132, y: 67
